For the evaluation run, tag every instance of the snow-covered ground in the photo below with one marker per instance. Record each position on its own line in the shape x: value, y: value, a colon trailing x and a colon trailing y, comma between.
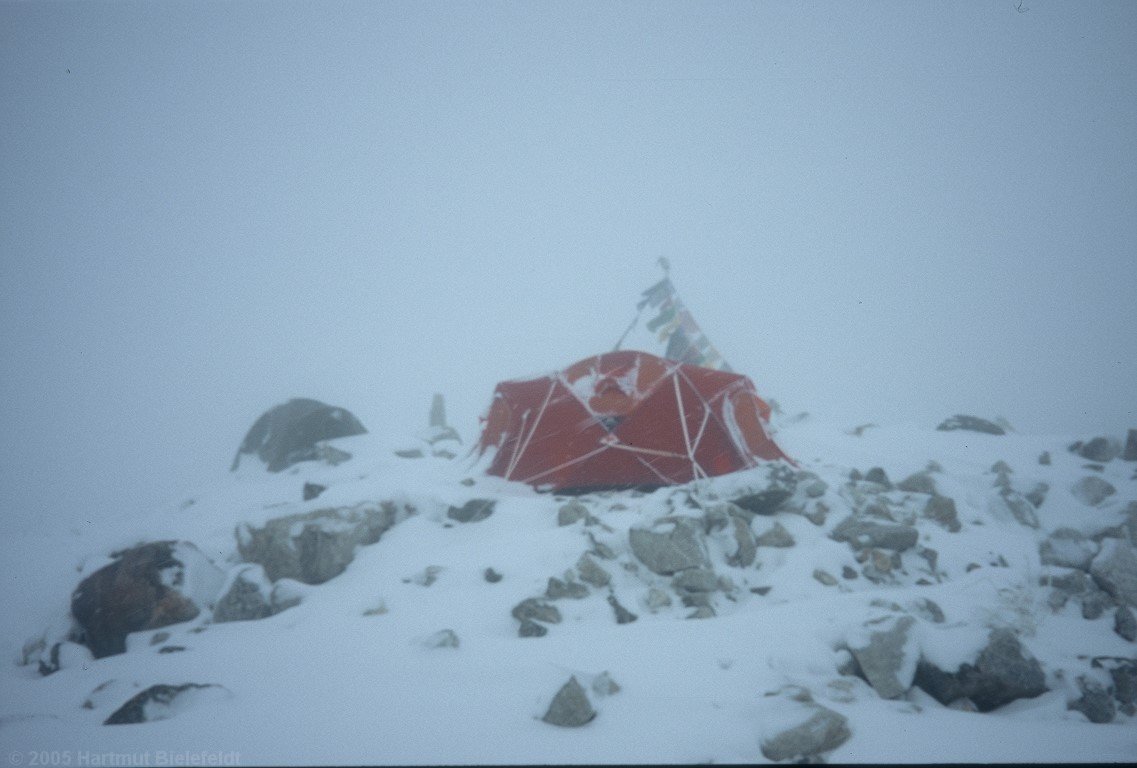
x: 353, y: 675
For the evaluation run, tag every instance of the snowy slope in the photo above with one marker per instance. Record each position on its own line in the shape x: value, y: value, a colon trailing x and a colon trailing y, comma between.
x: 350, y: 675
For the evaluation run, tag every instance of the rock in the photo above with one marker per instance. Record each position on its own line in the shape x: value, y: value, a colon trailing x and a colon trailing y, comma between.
x: 665, y: 553
x: 824, y: 577
x: 315, y: 546
x: 409, y: 453
x: 1094, y: 603
x: 160, y: 702
x: 533, y: 609
x: 1115, y: 571
x: 777, y: 536
x: 149, y: 586
x: 247, y: 598
x: 970, y: 423
x: 623, y: 615
x: 287, y: 593
x: 1103, y: 449
x: 765, y: 502
x: 1037, y: 494
x: 1002, y: 674
x: 1130, y: 453
x: 591, y: 573
x: 747, y: 550
x: 820, y: 731
x: 289, y: 433
x: 695, y: 580
x: 443, y: 638
x: 849, y: 573
x: 492, y: 576
x: 570, y: 708
x: 530, y: 628
x: 888, y: 659
x: 1015, y: 505
x: 815, y: 489
x: 312, y: 490
x: 1001, y: 467
x: 1123, y: 675
x: 1044, y: 458
x: 472, y: 511
x: 919, y: 482
x: 558, y: 589
x: 1096, y: 703
x: 860, y: 533
x: 941, y: 511
x: 1125, y: 624
x: 64, y: 655
x: 702, y: 612
x: 656, y: 599
x: 877, y: 475
x: 572, y: 512
x: 928, y: 610
x: 1068, y: 548
x: 1092, y: 490
x: 855, y: 475
x: 604, y: 685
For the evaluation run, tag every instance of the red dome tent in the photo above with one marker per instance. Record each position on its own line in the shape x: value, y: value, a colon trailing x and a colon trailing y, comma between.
x: 626, y: 419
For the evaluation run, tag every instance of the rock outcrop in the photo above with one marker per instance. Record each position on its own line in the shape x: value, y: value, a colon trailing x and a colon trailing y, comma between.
x: 289, y: 433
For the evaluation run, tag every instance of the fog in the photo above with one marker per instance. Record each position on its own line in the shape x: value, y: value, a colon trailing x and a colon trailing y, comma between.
x: 879, y: 212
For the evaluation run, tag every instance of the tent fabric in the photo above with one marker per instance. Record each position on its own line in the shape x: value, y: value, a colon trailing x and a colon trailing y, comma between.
x: 626, y: 419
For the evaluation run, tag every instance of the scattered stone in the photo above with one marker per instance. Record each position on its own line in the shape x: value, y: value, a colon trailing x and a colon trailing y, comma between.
x: 666, y: 553
x: 558, y: 589
x: 820, y: 731
x: 1096, y: 703
x: 146, y: 587
x: 1003, y: 673
x: 927, y: 609
x: 600, y: 549
x: 1130, y: 453
x: 1068, y: 548
x: 656, y: 599
x: 1094, y: 603
x: 536, y: 610
x: 970, y: 423
x: 933, y: 466
x: 591, y: 573
x: 1125, y: 624
x: 428, y: 576
x: 378, y: 610
x: 761, y: 591
x: 472, y: 511
x: 312, y: 490
x: 1115, y: 571
x: 849, y: 573
x: 861, y: 533
x: 765, y: 502
x: 1044, y: 458
x: 604, y: 685
x: 171, y: 649
x: 695, y: 580
x: 623, y: 615
x: 570, y: 708
x: 702, y: 612
x: 1001, y: 467
x: 572, y: 512
x: 1018, y: 507
x: 1037, y: 494
x: 1092, y: 490
x: 941, y: 510
x: 158, y: 703
x: 289, y: 433
x: 816, y: 489
x: 855, y: 475
x: 777, y: 536
x: 919, y: 482
x: 824, y: 577
x: 817, y: 514
x: 530, y: 628
x: 286, y: 593
x: 248, y: 597
x: 747, y: 549
x: 492, y: 576
x: 1102, y: 449
x: 314, y: 547
x: 443, y: 638
x: 159, y: 638
x: 1123, y: 675
x: 409, y: 453
x: 64, y: 655
x: 877, y: 475
x: 887, y: 659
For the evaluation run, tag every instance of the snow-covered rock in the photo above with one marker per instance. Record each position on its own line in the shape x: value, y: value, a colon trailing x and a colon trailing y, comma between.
x: 673, y: 544
x: 1115, y: 570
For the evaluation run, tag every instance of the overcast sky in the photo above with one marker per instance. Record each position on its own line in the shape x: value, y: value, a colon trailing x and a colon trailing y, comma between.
x: 877, y: 211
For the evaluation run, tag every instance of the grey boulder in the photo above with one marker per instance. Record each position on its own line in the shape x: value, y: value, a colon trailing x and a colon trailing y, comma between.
x: 669, y: 551
x: 247, y: 598
x: 1115, y: 571
x: 1003, y: 673
x: 820, y: 730
x: 1100, y: 449
x: 1068, y: 548
x: 570, y: 708
x: 861, y: 534
x: 1092, y: 490
x: 289, y: 433
x: 970, y: 423
x: 888, y: 660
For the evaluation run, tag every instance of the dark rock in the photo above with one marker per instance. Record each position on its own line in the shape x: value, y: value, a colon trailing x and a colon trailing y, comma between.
x: 248, y: 597
x: 1044, y: 458
x: 1068, y: 548
x: 855, y: 475
x: 941, y: 510
x: 288, y: 433
x: 530, y: 628
x: 1115, y: 571
x: 571, y: 513
x: 312, y: 490
x: 1095, y: 602
x: 666, y: 553
x: 472, y: 511
x: 1130, y: 453
x: 928, y: 610
x: 171, y: 649
x: 695, y: 580
x: 536, y: 610
x: 1001, y: 467
x: 591, y: 573
x: 883, y: 660
x: 1103, y: 449
x: 315, y: 546
x: 877, y: 475
x: 1037, y: 494
x: 1002, y: 674
x: 492, y: 576
x: 570, y: 708
x: 154, y: 703
x: 1123, y: 675
x: 861, y: 533
x: 765, y: 502
x: 64, y: 655
x: 970, y: 423
x: 849, y: 573
x: 920, y: 482
x: 1125, y: 624
x: 558, y: 589
x: 747, y: 550
x: 1091, y: 490
x: 815, y: 489
x: 623, y: 615
x: 824, y: 577
x: 1096, y: 703
x: 143, y: 589
x: 822, y: 731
